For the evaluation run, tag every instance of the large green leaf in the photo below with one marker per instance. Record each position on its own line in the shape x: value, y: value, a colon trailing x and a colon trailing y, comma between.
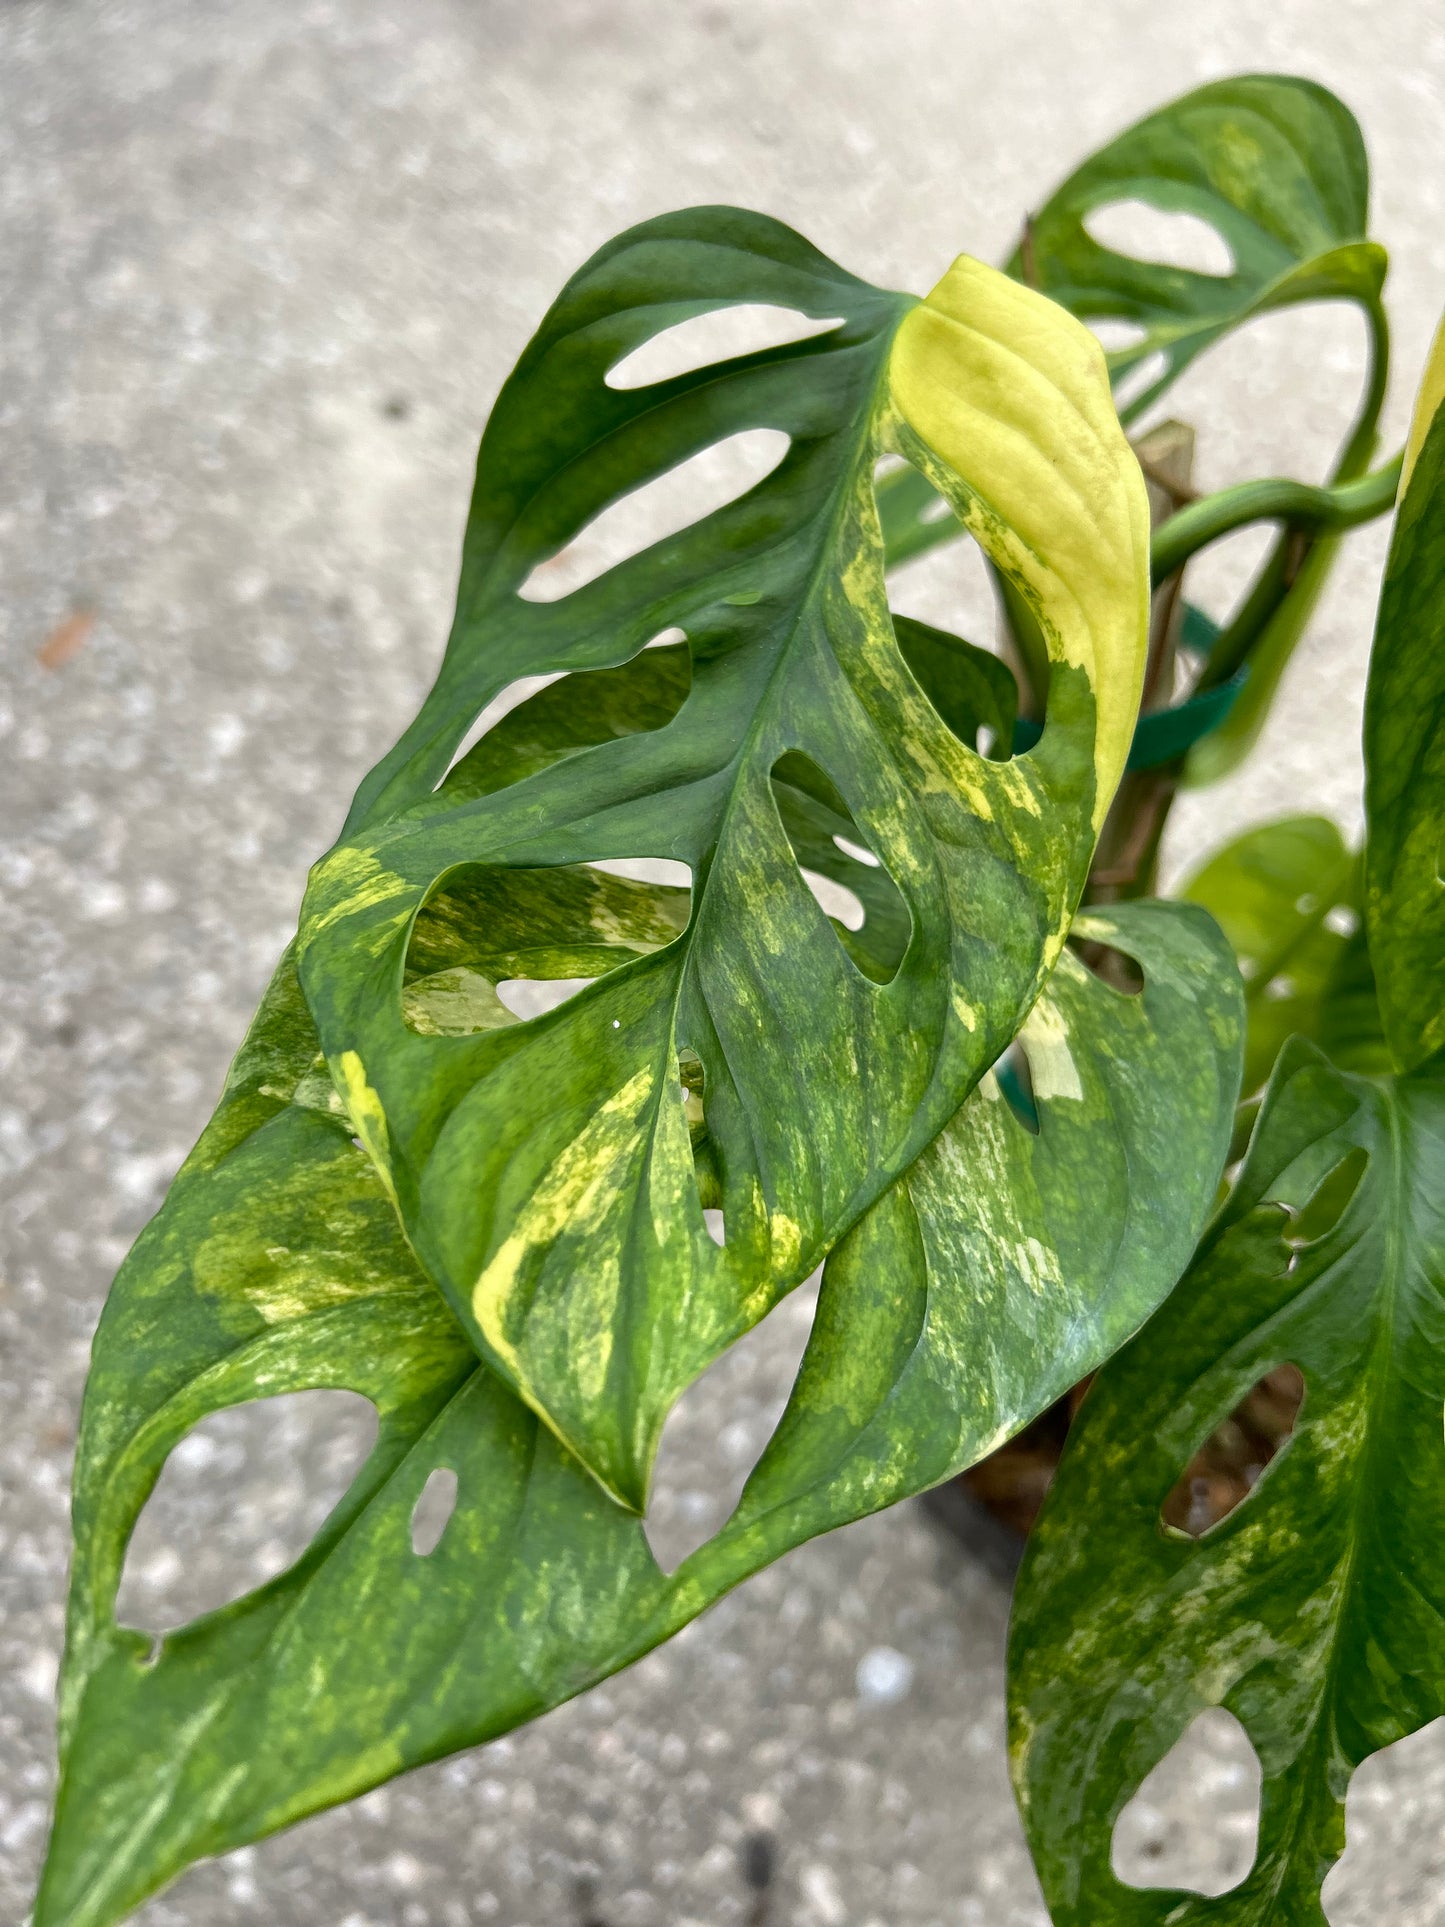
x: 1405, y: 748
x: 1314, y: 1611
x: 543, y: 1172
x: 1000, y: 1268
x: 1284, y: 894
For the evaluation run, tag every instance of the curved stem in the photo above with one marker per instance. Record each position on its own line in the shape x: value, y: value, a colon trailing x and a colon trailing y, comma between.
x: 1285, y: 560
x: 1342, y: 505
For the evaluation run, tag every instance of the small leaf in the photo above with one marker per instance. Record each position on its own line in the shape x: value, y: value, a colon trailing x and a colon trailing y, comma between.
x: 1314, y: 1611
x: 1284, y: 894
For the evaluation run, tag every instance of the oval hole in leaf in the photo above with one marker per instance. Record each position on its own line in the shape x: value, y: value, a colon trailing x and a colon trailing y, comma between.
x: 500, y: 943
x: 433, y: 1510
x: 647, y: 869
x: 1114, y: 332
x: 722, y: 333
x: 858, y: 852
x: 694, y: 489
x: 534, y: 996
x: 718, y: 1429
x: 1112, y: 967
x: 950, y: 586
x: 1163, y: 237
x: 1136, y: 382
x: 239, y: 1499
x: 847, y: 879
x: 692, y: 1080
x: 1194, y: 1821
x: 512, y: 697
x: 1389, y: 1869
x: 1329, y: 1201
x: 836, y: 900
x: 1233, y: 1459
x: 526, y: 729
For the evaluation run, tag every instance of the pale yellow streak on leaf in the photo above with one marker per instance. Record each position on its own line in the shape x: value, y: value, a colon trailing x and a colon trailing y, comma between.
x: 353, y: 880
x: 787, y: 1241
x: 575, y: 1196
x: 368, y: 1118
x: 1045, y: 1039
x: 1013, y: 395
x: 1427, y: 403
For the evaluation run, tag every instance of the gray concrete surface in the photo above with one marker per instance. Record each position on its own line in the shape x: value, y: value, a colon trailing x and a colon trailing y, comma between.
x: 263, y: 267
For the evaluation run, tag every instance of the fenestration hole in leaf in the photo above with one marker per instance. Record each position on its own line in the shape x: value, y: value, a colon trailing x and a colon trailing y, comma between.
x: 949, y: 585
x: 692, y: 1089
x: 1233, y: 1459
x: 1163, y: 237
x: 524, y: 729
x: 719, y: 1428
x: 845, y: 874
x: 1116, y: 968
x: 1138, y: 380
x: 647, y: 869
x: 749, y: 328
x: 432, y: 1512
x: 1329, y: 1200
x: 1392, y: 1805
x: 499, y: 943
x: 687, y: 493
x: 1114, y: 332
x: 239, y: 1499
x: 534, y: 996
x: 1194, y: 1821
x: 512, y: 697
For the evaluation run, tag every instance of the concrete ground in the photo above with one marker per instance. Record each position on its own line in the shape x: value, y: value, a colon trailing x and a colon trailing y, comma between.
x: 263, y: 266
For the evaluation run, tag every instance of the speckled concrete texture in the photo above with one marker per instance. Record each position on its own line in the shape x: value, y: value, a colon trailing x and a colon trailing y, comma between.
x: 263, y: 265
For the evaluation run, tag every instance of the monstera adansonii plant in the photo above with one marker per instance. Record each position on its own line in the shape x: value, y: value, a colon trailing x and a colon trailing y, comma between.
x: 995, y: 1110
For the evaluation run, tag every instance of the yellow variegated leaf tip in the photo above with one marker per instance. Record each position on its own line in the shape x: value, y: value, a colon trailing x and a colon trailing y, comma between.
x: 1427, y: 403
x: 1012, y: 393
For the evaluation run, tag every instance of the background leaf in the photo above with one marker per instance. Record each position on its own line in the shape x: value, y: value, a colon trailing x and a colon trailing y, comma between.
x: 1314, y: 1611
x: 1405, y: 750
x: 1275, y: 164
x: 1286, y: 895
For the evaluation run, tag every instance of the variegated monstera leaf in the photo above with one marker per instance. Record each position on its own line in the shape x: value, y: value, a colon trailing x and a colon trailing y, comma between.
x: 494, y: 1229
x: 544, y: 1174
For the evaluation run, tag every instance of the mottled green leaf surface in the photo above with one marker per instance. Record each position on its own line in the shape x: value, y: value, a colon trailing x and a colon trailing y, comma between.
x: 995, y: 1272
x: 1286, y: 895
x: 544, y: 1172
x: 1275, y: 164
x: 1405, y: 749
x: 1314, y: 1610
